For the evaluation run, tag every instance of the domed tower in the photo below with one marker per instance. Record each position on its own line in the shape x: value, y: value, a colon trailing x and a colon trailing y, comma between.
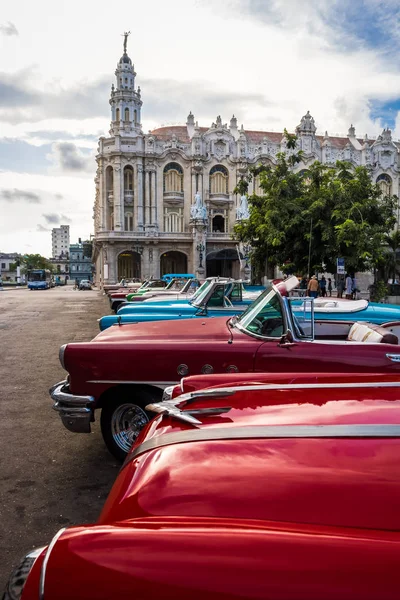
x: 125, y: 100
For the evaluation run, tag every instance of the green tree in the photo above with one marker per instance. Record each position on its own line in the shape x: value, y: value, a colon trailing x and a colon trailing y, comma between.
x: 33, y: 261
x: 304, y: 221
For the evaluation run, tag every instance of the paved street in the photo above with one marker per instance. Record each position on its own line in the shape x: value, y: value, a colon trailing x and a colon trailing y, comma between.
x: 49, y: 477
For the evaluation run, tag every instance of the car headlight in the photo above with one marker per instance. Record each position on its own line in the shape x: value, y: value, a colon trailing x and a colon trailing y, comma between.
x: 20, y: 574
x: 61, y: 355
x: 167, y: 393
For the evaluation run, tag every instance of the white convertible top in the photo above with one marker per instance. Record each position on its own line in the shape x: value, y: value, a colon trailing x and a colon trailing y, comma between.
x: 335, y: 306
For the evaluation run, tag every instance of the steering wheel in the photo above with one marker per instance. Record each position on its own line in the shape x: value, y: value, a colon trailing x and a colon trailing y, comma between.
x: 227, y: 302
x: 270, y: 326
x: 258, y: 324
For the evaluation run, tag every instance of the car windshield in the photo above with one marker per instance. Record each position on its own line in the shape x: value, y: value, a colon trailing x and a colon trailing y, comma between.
x: 201, y: 293
x: 264, y: 317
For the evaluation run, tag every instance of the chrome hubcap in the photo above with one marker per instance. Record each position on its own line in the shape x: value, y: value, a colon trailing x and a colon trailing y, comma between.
x: 127, y: 422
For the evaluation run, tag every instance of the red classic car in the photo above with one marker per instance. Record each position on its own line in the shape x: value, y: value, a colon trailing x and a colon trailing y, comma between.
x: 283, y: 494
x: 127, y: 366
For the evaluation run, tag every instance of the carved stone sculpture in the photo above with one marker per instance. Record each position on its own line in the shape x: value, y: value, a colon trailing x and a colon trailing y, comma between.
x: 242, y: 212
x: 198, y: 210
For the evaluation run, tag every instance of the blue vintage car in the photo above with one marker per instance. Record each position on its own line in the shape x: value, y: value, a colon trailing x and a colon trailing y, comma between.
x: 330, y: 309
x: 215, y: 298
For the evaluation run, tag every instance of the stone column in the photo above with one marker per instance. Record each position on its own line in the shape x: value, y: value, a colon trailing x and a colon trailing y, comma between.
x: 112, y: 264
x: 199, y: 247
x: 122, y: 192
x: 140, y: 197
x: 147, y: 175
x: 117, y: 197
x: 153, y: 216
x: 103, y: 197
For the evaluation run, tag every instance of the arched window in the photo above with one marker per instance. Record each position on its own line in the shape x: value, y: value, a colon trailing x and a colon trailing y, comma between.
x: 173, y: 178
x: 218, y: 180
x: 218, y: 224
x: 117, y: 115
x: 385, y: 184
x: 173, y: 220
x: 128, y: 221
x: 128, y: 179
x: 127, y: 114
x: 135, y: 117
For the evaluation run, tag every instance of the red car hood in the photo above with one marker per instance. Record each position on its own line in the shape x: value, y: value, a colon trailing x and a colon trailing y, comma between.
x: 335, y: 480
x: 178, y: 559
x: 182, y: 329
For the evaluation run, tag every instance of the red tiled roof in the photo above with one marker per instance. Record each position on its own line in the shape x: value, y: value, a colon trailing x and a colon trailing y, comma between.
x: 180, y: 131
x: 258, y: 136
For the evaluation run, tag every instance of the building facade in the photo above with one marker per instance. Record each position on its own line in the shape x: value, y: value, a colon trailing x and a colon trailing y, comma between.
x: 7, y: 261
x: 165, y: 200
x: 80, y: 266
x: 60, y: 241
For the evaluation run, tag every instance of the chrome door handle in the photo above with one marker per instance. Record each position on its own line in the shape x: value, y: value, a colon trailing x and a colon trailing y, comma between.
x: 393, y: 357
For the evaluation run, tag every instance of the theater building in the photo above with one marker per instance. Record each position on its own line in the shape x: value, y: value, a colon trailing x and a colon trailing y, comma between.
x: 165, y: 200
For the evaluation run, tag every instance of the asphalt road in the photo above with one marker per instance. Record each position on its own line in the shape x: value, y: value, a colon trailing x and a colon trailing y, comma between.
x: 49, y: 478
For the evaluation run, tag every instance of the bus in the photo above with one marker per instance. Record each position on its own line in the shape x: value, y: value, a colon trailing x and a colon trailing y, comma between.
x: 39, y: 279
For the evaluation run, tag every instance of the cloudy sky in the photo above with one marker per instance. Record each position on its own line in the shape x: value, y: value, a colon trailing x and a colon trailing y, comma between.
x: 266, y: 61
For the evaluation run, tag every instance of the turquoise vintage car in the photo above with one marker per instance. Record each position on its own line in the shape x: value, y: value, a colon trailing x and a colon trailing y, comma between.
x: 215, y: 298
x: 330, y: 309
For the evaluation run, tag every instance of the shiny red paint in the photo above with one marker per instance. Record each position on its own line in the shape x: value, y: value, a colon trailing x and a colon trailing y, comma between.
x: 150, y: 353
x: 199, y: 382
x: 122, y: 293
x: 182, y: 559
x: 278, y: 519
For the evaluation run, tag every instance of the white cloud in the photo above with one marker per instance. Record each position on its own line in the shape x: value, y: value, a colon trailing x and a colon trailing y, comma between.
x: 8, y: 29
x: 266, y: 61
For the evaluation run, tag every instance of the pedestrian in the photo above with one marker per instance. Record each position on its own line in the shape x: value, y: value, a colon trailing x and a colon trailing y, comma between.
x: 313, y: 287
x: 329, y: 286
x: 76, y: 286
x: 353, y: 287
x: 303, y: 286
x: 340, y: 287
x: 322, y: 285
x: 349, y: 286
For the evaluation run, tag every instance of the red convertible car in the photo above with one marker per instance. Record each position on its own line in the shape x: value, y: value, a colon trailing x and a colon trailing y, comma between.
x: 250, y: 494
x: 127, y: 366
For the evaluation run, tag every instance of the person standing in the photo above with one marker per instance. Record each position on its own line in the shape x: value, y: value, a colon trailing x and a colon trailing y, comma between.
x: 329, y: 286
x: 322, y: 285
x: 349, y: 286
x: 340, y: 287
x: 312, y: 287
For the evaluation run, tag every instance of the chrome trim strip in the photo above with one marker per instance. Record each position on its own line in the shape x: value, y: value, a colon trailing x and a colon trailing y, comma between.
x: 46, y: 560
x: 265, y: 432
x: 161, y: 384
x: 229, y: 390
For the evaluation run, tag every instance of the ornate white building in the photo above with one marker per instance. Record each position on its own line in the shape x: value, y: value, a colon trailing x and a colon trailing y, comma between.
x: 164, y: 200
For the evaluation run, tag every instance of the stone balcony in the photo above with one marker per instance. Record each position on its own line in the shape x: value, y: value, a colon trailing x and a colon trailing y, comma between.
x: 124, y: 236
x: 217, y: 235
x: 128, y: 197
x: 220, y: 199
x: 174, y: 198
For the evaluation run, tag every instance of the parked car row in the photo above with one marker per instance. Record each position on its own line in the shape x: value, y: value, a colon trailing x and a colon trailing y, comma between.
x: 260, y: 453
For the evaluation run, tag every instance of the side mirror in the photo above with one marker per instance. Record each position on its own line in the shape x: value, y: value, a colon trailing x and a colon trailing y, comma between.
x: 286, y: 340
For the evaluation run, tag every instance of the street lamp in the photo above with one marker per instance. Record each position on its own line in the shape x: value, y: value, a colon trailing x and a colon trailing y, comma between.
x: 200, y: 249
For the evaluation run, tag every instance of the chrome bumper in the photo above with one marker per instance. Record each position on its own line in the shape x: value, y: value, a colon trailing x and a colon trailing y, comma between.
x: 76, y: 412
